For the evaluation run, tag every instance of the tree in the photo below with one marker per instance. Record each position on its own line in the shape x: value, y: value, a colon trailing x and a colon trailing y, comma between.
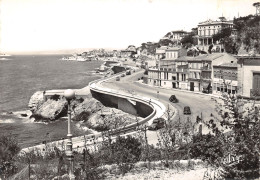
x: 230, y: 45
x: 189, y: 40
x: 250, y: 38
x: 165, y: 42
x: 220, y: 36
x: 243, y: 140
x: 126, y: 152
x: 8, y: 150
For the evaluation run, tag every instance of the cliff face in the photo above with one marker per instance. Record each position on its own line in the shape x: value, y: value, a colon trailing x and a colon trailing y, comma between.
x: 49, y: 110
x: 36, y: 100
x: 92, y: 113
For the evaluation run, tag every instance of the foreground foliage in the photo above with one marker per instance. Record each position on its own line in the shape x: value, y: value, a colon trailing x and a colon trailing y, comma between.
x: 8, y: 150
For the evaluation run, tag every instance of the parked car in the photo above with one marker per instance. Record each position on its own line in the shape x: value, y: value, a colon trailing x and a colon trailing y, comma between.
x: 117, y: 78
x: 186, y: 110
x: 128, y: 72
x: 123, y: 75
x: 157, y: 124
x: 173, y: 99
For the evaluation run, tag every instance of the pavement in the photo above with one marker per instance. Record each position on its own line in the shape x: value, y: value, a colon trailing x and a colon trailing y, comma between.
x: 200, y: 104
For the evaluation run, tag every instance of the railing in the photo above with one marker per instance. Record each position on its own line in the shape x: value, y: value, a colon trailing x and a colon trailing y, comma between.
x: 92, y: 139
x: 206, y: 68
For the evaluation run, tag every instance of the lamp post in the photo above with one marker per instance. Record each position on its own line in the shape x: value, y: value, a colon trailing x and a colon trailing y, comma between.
x: 69, y: 95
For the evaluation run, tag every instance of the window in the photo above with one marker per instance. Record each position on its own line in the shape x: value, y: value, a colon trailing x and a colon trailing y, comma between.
x: 174, y: 78
x: 164, y: 83
x: 256, y: 80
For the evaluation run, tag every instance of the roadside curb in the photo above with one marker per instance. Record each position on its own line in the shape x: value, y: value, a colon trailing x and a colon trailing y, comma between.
x: 180, y: 90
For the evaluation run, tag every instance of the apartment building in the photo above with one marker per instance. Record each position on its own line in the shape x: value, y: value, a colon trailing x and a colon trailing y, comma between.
x: 208, y: 28
x: 225, y: 78
x: 188, y: 73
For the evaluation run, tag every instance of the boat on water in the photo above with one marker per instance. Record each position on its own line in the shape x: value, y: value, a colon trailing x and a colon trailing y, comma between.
x: 4, y: 59
x: 5, y: 55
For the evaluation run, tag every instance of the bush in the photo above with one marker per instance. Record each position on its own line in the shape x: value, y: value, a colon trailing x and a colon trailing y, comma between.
x: 8, y: 150
x: 207, y: 147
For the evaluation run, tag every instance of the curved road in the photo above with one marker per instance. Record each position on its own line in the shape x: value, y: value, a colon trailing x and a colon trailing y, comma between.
x: 197, y: 102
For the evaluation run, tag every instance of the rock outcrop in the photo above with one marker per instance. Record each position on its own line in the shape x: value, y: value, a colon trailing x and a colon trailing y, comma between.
x: 81, y: 105
x: 36, y: 100
x: 50, y: 110
x: 92, y: 113
x: 109, y: 118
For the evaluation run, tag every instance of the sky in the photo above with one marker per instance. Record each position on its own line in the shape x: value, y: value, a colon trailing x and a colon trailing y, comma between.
x: 47, y: 25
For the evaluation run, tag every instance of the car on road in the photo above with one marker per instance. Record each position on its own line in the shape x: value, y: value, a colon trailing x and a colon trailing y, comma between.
x: 173, y: 99
x: 117, y: 78
x: 186, y: 110
x: 123, y: 75
x: 128, y: 72
x: 157, y: 124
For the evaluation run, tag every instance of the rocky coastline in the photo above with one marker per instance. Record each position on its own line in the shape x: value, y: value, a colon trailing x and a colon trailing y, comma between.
x: 89, y: 112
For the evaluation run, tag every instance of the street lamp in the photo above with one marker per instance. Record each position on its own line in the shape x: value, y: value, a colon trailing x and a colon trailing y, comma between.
x: 69, y: 95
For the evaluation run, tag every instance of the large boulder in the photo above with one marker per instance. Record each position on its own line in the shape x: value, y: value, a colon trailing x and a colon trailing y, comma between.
x: 85, y: 106
x: 109, y: 118
x: 36, y: 100
x: 90, y: 111
x: 50, y: 110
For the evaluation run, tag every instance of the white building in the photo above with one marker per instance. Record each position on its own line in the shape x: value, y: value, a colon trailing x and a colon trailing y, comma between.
x: 208, y: 28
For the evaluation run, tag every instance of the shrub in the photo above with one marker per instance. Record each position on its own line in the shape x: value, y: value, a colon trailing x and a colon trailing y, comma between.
x: 207, y: 147
x: 8, y: 150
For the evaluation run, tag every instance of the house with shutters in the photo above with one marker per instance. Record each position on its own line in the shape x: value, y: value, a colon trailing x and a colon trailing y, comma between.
x: 225, y: 78
x: 248, y: 75
x: 188, y: 73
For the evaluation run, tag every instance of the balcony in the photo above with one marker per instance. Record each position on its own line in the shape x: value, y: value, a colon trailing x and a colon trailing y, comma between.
x: 205, y: 68
x: 255, y: 93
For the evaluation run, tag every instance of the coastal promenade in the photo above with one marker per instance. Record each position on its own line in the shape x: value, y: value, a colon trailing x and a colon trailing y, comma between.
x: 92, y: 141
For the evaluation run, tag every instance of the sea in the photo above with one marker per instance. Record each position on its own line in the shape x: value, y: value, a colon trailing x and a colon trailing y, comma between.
x: 21, y: 76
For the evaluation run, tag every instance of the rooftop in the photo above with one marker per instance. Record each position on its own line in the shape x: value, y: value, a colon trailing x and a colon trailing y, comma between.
x: 247, y: 56
x: 173, y: 48
x: 204, y: 57
x: 228, y: 65
x: 179, y: 31
x: 211, y: 22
